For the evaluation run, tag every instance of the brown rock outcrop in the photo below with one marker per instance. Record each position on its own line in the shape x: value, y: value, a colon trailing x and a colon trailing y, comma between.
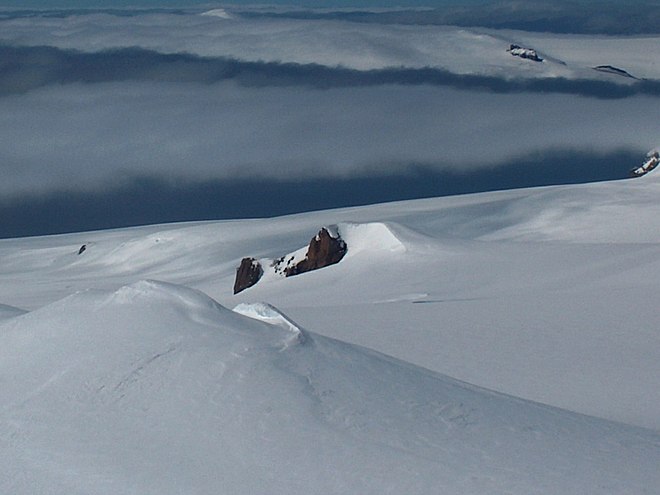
x: 324, y: 250
x: 247, y: 274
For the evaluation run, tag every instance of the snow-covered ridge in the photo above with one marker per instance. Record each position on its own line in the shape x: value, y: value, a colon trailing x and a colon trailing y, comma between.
x: 483, y: 286
x: 372, y: 237
x: 328, y: 247
x: 157, y: 388
x: 270, y: 314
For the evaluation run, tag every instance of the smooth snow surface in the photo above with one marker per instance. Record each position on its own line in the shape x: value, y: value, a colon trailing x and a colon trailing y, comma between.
x: 156, y: 388
x: 112, y: 384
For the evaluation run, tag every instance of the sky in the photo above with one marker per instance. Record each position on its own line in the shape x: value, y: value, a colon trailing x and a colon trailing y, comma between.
x: 181, y: 110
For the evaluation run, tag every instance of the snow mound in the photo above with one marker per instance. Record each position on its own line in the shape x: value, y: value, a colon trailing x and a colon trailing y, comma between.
x: 153, y: 290
x: 372, y: 237
x: 270, y: 314
x: 139, y: 253
x: 156, y: 388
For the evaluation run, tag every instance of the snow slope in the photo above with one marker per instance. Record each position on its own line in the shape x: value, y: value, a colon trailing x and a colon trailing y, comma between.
x: 534, y: 292
x: 155, y: 388
x: 545, y: 294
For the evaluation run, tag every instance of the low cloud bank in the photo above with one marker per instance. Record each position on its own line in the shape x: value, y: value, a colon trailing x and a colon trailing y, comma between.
x: 338, y: 43
x: 82, y: 137
x: 152, y: 200
x: 26, y: 68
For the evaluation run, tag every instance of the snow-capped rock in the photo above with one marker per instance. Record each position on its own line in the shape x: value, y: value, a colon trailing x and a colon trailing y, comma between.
x: 653, y: 159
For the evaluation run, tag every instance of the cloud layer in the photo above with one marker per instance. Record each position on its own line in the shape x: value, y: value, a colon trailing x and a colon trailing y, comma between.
x: 92, y: 136
x: 153, y: 200
x: 25, y: 68
x: 361, y: 46
x: 100, y: 106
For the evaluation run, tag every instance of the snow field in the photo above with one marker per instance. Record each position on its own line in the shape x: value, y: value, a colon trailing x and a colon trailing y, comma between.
x: 156, y: 388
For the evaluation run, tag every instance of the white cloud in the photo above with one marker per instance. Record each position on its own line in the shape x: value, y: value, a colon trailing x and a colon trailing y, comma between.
x: 354, y: 45
x: 86, y: 137
x: 91, y: 136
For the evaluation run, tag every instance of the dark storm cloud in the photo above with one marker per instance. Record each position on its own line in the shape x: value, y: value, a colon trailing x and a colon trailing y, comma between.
x: 25, y: 68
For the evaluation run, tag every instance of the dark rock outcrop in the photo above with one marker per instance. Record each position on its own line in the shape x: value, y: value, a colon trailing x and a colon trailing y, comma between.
x: 610, y: 69
x: 82, y: 249
x: 651, y: 163
x: 324, y: 250
x: 247, y: 274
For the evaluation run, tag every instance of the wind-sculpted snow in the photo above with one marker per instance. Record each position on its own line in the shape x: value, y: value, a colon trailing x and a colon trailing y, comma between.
x: 372, y: 237
x: 156, y: 388
x: 270, y: 314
